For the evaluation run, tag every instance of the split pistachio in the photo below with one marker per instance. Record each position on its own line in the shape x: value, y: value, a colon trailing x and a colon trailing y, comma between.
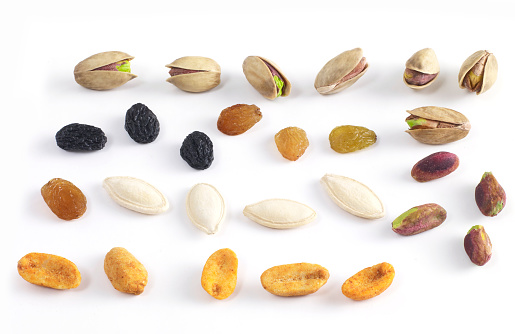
x: 421, y: 69
x: 479, y: 72
x: 437, y: 125
x: 266, y: 77
x: 105, y: 70
x: 341, y: 72
x: 194, y: 74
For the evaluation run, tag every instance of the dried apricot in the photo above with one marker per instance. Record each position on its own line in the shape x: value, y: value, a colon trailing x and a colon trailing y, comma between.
x: 291, y: 142
x: 238, y: 118
x: 369, y: 282
x: 64, y: 199
x: 350, y: 138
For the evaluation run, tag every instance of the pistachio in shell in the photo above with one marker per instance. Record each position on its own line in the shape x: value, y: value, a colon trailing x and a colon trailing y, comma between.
x: 421, y: 69
x: 479, y: 72
x: 266, y: 77
x: 341, y: 72
x: 104, y: 70
x: 437, y: 125
x: 194, y: 74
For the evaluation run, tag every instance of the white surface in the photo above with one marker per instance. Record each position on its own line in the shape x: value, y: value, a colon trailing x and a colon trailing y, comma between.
x: 436, y: 287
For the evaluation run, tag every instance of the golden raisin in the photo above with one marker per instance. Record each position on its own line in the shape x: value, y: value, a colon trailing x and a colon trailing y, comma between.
x: 350, y: 138
x: 238, y: 118
x: 369, y: 282
x: 291, y: 142
x: 64, y: 199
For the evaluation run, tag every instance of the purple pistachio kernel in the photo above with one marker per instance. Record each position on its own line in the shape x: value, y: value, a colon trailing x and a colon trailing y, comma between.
x: 490, y: 196
x: 478, y: 245
x: 435, y: 166
x: 419, y: 219
x: 418, y: 78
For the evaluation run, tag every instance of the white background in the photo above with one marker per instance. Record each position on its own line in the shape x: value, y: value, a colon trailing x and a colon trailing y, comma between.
x: 436, y: 287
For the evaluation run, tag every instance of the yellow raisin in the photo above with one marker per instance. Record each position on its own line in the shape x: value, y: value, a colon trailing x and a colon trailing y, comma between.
x: 350, y: 138
x: 64, y: 199
x: 291, y: 142
x: 238, y: 118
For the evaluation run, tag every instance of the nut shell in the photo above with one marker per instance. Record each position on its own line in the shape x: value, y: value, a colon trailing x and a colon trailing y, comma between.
x: 423, y: 61
x: 260, y: 77
x: 329, y: 77
x: 102, y: 80
x: 208, y: 77
x: 490, y: 70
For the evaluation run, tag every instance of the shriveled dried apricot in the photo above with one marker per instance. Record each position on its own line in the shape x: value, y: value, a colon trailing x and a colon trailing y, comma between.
x: 64, y: 199
x: 369, y: 282
x: 238, y: 118
x: 291, y: 142
x: 350, y: 138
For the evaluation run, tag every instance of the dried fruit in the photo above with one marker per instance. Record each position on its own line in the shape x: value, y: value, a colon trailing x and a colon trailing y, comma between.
x: 479, y: 72
x: 49, y: 270
x: 437, y: 125
x: 353, y: 196
x: 80, y: 137
x: 490, y: 196
x: 220, y: 273
x: 369, y: 282
x: 435, y: 166
x: 136, y: 195
x: 238, y: 118
x: 291, y: 142
x: 350, y: 138
x: 194, y: 74
x: 124, y: 271
x: 341, y: 72
x: 141, y: 124
x: 64, y: 199
x: 205, y: 207
x: 197, y: 150
x: 419, y: 219
x: 266, y: 77
x: 280, y: 213
x: 104, y: 70
x: 478, y: 245
x: 297, y: 279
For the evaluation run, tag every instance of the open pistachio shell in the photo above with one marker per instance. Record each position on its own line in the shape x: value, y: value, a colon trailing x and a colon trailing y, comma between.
x: 102, y: 80
x: 261, y: 78
x: 332, y: 77
x: 489, y: 72
x: 456, y: 127
x: 196, y: 74
x: 425, y: 62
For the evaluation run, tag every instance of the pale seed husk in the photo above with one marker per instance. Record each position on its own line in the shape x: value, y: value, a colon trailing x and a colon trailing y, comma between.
x: 490, y: 70
x: 423, y: 61
x: 102, y: 80
x: 440, y: 135
x: 280, y: 213
x: 328, y: 80
x: 353, y: 196
x: 259, y: 76
x: 205, y: 207
x: 207, y: 79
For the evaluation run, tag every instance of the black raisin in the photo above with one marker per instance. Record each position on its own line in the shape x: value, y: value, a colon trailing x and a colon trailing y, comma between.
x: 141, y: 124
x: 80, y: 137
x: 197, y: 150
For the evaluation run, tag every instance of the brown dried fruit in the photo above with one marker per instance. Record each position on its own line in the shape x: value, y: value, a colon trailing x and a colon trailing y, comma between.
x: 350, y: 138
x: 238, y: 118
x: 297, y: 279
x: 64, y: 199
x: 369, y: 282
x: 291, y: 142
x: 220, y: 273
x: 49, y: 270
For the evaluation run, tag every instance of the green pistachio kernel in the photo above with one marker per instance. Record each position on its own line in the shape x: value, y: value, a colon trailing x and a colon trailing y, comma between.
x: 280, y: 85
x: 123, y: 66
x: 416, y: 122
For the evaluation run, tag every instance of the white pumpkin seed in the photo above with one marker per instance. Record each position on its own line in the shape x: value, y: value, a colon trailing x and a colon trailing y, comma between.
x: 353, y: 196
x: 135, y: 194
x: 205, y: 207
x: 280, y: 213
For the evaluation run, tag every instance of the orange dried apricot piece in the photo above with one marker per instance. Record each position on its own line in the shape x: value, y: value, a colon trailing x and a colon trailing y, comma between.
x: 369, y: 282
x: 291, y: 142
x: 64, y: 199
